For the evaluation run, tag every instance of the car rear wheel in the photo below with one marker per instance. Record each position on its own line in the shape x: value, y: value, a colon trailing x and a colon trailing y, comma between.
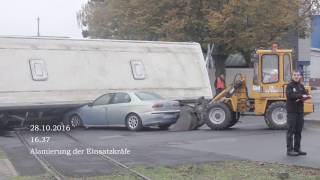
x: 75, y: 121
x: 133, y: 122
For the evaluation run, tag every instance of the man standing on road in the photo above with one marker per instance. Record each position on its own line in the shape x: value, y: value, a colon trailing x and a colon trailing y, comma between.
x: 296, y: 94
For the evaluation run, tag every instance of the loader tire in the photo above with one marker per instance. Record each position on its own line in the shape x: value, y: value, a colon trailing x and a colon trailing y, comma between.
x: 235, y: 119
x: 219, y: 116
x: 276, y: 116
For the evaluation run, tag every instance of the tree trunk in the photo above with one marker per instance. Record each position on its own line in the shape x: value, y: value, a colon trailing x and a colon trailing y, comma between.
x: 220, y: 64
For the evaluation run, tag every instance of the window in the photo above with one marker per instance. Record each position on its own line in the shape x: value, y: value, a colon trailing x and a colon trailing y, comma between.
x: 38, y: 70
x: 147, y: 96
x: 270, y: 66
x: 287, y: 68
x: 138, y: 71
x: 121, y: 98
x: 255, y: 72
x: 103, y: 100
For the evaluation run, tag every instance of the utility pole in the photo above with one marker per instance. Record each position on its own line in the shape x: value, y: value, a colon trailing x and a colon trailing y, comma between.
x: 38, y: 22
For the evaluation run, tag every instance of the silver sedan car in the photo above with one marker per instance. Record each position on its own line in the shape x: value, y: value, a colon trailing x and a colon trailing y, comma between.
x: 132, y: 109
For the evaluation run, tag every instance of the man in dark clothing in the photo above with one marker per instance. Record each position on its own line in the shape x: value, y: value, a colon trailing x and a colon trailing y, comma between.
x: 296, y: 94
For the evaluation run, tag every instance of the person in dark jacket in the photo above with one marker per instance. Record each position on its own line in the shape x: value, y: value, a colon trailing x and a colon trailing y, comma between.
x: 296, y: 94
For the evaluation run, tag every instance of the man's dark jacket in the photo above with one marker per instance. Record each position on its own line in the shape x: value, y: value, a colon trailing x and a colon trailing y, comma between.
x: 294, y: 92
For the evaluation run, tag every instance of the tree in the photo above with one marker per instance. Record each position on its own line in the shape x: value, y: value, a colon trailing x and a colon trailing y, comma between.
x: 244, y: 25
x: 233, y: 25
x: 179, y: 20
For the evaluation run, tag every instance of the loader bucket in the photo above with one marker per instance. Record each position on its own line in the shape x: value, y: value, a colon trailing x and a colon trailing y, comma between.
x: 187, y: 121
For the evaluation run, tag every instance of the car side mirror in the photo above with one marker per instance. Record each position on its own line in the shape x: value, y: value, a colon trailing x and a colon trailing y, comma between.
x: 90, y: 104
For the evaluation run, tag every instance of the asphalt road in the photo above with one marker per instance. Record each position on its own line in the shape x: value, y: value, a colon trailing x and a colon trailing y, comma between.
x: 248, y: 140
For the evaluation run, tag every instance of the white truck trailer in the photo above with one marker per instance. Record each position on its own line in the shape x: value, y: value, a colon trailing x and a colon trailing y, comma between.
x: 42, y: 78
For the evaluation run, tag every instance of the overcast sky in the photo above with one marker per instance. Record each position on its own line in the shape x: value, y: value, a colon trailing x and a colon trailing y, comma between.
x: 57, y: 17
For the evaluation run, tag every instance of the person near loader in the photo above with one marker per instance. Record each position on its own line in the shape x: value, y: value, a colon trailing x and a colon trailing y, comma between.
x: 219, y: 84
x: 296, y: 94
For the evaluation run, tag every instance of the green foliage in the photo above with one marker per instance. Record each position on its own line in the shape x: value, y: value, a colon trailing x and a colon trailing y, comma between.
x: 179, y: 20
x: 244, y: 25
x: 233, y: 25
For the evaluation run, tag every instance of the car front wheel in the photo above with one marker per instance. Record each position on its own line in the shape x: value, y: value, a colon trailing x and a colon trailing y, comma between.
x: 133, y: 122
x: 75, y: 121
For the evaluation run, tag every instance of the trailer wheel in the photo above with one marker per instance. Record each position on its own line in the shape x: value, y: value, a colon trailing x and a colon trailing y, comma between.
x: 235, y: 118
x: 218, y: 116
x: 276, y: 116
x: 75, y: 121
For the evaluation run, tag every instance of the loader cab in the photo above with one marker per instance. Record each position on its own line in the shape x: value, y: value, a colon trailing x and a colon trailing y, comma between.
x: 272, y: 71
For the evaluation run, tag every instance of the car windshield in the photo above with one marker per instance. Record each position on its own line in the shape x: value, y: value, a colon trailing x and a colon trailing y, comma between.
x: 147, y: 96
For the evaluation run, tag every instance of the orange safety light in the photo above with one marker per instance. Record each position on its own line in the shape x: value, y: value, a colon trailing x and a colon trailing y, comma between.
x: 274, y: 47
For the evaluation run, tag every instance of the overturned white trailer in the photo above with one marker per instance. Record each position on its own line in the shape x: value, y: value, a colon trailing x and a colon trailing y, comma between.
x: 41, y: 78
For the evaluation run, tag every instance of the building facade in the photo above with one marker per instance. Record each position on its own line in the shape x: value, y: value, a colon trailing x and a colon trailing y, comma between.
x: 315, y: 52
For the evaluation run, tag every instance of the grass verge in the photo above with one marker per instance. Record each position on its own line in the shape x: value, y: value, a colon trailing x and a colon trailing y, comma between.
x: 225, y: 170
x: 232, y: 170
x: 2, y: 155
x: 40, y: 177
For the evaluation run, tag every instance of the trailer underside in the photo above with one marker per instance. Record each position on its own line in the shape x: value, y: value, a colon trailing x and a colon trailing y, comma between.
x: 25, y: 114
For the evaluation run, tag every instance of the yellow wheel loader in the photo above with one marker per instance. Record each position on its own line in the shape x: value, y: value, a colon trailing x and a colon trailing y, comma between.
x: 267, y: 97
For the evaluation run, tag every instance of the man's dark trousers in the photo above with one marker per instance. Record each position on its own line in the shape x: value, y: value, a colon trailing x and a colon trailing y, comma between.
x: 295, y: 125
